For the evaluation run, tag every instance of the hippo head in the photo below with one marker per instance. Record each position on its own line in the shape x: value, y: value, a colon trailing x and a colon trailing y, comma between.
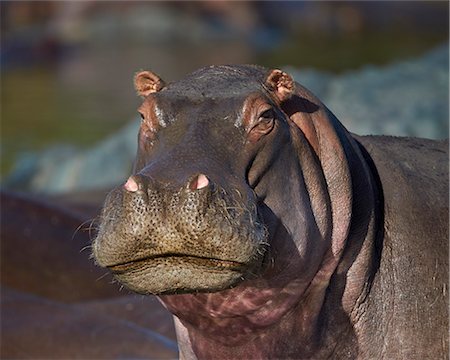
x: 187, y: 220
x: 215, y: 171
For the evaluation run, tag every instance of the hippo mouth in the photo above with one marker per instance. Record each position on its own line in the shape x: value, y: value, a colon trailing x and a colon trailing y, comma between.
x: 206, y: 262
x: 173, y: 273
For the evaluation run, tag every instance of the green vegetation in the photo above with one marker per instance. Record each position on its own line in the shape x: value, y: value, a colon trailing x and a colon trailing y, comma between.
x: 37, y: 111
x: 350, y: 51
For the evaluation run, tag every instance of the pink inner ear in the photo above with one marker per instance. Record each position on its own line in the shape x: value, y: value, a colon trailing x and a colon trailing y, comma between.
x: 281, y: 83
x: 283, y: 92
x: 147, y: 82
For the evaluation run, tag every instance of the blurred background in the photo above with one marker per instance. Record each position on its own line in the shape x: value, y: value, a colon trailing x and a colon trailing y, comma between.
x: 68, y: 103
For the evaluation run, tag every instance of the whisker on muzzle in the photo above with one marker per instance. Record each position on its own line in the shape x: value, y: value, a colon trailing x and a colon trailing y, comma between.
x: 80, y: 227
x: 85, y: 248
x: 103, y: 276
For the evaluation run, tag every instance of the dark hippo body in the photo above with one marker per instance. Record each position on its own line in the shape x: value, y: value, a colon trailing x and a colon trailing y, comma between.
x: 269, y: 231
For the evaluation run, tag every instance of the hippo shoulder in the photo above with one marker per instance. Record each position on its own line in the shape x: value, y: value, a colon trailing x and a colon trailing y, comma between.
x: 409, y: 292
x: 423, y: 159
x: 414, y: 178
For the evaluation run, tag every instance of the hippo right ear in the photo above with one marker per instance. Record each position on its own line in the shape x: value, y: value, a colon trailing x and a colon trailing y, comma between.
x: 146, y: 82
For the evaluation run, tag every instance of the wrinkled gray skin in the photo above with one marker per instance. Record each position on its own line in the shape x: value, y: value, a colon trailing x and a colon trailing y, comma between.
x: 271, y: 232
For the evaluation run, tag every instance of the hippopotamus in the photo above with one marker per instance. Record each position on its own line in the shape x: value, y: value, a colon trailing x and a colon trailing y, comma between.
x: 269, y: 231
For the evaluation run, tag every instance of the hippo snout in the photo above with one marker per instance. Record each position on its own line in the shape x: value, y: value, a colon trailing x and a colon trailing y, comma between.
x: 197, y: 237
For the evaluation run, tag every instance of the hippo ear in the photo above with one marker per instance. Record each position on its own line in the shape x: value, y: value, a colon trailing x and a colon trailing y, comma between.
x: 146, y: 82
x: 280, y: 84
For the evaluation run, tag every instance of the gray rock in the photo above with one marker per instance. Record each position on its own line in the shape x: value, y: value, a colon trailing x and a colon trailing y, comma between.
x: 60, y: 169
x: 408, y: 98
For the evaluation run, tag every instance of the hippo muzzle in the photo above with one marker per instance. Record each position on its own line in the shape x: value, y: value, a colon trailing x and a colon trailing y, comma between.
x: 199, y: 237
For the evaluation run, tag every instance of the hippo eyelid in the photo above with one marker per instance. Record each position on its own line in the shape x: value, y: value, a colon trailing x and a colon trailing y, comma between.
x: 263, y: 125
x: 268, y: 114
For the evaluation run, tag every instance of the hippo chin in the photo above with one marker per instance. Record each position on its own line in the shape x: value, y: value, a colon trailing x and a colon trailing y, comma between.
x: 269, y: 231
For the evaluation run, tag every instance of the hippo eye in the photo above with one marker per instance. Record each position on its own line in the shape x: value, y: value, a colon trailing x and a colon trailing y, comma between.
x: 262, y: 126
x: 265, y: 122
x: 267, y: 115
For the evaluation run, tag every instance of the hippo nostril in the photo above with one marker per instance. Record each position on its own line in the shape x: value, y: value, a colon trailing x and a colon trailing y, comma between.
x: 131, y: 185
x: 199, y: 182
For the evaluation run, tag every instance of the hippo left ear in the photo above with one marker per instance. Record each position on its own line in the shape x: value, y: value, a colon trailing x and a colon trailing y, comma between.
x: 280, y: 84
x: 146, y: 82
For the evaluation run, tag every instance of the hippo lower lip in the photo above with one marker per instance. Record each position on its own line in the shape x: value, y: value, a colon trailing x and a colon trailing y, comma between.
x: 216, y: 264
